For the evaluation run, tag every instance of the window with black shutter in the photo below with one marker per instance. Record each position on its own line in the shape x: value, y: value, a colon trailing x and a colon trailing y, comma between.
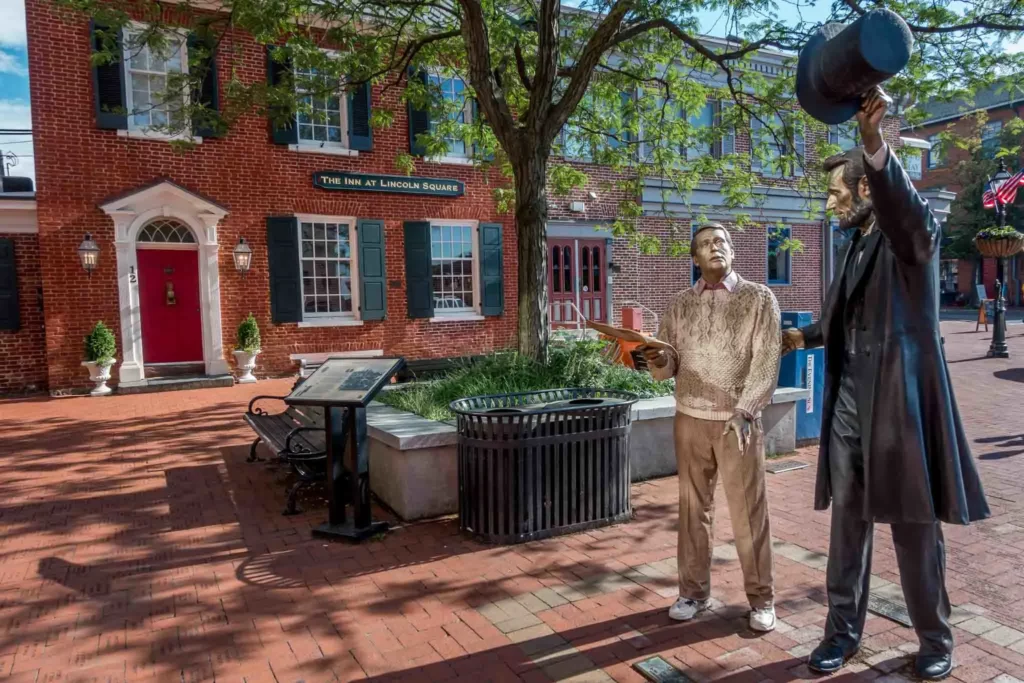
x: 373, y: 294
x: 279, y: 73
x: 419, y: 287
x: 108, y: 81
x: 283, y: 258
x: 206, y: 123
x: 492, y: 271
x: 419, y: 119
x: 10, y: 320
x: 360, y: 135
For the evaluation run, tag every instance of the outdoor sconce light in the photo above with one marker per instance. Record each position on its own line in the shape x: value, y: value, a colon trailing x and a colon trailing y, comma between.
x: 243, y: 256
x: 89, y: 254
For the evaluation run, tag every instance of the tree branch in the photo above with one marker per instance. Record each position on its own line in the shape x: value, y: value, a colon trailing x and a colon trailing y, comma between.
x: 489, y: 95
x: 521, y: 67
x: 984, y: 22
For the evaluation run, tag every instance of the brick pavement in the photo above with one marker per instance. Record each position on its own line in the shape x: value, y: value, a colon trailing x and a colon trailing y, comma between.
x: 136, y: 544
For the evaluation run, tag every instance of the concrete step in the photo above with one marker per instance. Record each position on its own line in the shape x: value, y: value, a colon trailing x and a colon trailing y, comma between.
x: 149, y: 386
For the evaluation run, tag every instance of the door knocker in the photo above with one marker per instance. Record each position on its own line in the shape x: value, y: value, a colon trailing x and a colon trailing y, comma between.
x: 169, y: 293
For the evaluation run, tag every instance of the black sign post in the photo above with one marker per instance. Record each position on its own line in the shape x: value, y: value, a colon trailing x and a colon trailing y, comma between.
x: 343, y: 387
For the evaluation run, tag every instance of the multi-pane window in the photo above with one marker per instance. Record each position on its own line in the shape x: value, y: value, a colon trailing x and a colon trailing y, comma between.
x: 781, y: 140
x: 322, y: 114
x: 778, y: 257
x: 452, y: 265
x: 458, y: 108
x: 325, y: 254
x: 990, y: 135
x: 912, y: 164
x: 705, y: 118
x: 844, y: 135
x: 936, y: 159
x: 148, y: 68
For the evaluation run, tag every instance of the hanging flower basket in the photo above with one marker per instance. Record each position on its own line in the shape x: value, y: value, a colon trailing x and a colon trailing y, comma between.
x: 999, y: 242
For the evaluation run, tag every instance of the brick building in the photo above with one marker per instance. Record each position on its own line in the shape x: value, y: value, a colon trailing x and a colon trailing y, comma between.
x: 424, y: 271
x: 1000, y: 103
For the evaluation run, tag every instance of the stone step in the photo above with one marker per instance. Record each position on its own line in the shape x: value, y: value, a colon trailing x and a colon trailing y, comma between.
x: 149, y: 386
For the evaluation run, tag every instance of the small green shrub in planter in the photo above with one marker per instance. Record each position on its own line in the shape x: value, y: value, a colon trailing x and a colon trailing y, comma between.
x: 100, y: 346
x: 248, y: 338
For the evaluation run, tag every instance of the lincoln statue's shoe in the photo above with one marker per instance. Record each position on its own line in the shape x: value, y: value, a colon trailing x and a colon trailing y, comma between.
x: 933, y: 667
x: 828, y: 658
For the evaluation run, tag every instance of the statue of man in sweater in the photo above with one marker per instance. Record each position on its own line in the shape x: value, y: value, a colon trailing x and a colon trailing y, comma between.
x: 727, y: 334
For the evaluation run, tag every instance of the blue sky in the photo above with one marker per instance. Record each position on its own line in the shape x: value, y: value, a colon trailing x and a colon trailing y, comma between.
x: 14, y: 107
x: 14, y: 96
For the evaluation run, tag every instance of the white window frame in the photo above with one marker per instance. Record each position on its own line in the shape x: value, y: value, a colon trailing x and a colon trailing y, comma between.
x: 331, y: 319
x: 127, y: 45
x: 835, y: 136
x: 935, y: 140
x: 468, y: 313
x: 467, y: 111
x: 767, y: 170
x: 339, y: 147
x: 992, y: 130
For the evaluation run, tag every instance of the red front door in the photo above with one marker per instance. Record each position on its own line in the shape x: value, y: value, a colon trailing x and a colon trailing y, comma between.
x: 576, y: 281
x: 172, y: 327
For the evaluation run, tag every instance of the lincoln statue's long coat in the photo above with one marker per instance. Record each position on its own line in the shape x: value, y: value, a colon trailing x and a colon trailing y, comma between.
x: 917, y: 461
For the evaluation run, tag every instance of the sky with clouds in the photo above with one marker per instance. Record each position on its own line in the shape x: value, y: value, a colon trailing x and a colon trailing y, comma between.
x: 14, y: 98
x: 14, y: 107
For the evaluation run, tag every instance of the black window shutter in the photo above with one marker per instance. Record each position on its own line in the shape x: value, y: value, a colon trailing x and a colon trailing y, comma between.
x: 373, y: 291
x: 419, y: 283
x: 360, y: 135
x: 419, y: 119
x: 279, y: 72
x: 492, y: 271
x: 285, y: 273
x: 108, y: 84
x: 204, y: 92
x: 489, y: 156
x: 9, y: 318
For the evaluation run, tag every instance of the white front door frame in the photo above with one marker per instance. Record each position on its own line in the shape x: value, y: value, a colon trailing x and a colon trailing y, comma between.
x: 130, y: 214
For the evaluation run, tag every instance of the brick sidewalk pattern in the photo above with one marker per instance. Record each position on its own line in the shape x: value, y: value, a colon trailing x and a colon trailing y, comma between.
x: 137, y: 544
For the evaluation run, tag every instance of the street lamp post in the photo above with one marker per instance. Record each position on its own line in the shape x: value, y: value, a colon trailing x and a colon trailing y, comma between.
x: 998, y: 348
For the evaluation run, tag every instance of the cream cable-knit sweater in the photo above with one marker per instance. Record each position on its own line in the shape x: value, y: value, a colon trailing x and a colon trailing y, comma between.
x: 728, y: 346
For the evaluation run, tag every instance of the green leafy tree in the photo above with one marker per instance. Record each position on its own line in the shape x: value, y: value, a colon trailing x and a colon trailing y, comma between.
x: 620, y: 82
x: 967, y: 215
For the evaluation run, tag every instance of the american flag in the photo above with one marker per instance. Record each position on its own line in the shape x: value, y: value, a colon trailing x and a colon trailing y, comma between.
x: 1007, y: 191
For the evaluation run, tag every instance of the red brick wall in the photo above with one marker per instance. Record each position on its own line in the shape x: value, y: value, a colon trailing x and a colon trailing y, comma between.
x: 945, y: 175
x: 79, y: 165
x: 23, y: 353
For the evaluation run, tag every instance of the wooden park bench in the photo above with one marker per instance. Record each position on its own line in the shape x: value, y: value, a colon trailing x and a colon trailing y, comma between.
x: 296, y: 436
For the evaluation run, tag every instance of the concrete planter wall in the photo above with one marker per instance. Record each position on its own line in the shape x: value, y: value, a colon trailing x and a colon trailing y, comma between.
x: 414, y: 463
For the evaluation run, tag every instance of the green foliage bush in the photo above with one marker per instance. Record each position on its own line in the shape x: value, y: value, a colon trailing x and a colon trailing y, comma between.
x: 570, y: 364
x: 100, y: 346
x: 248, y: 337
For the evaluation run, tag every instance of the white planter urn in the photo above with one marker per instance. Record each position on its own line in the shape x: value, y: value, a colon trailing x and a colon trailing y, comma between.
x: 99, y: 372
x: 246, y: 362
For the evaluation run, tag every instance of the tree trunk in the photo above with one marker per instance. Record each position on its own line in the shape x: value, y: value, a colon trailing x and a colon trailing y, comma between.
x: 531, y: 229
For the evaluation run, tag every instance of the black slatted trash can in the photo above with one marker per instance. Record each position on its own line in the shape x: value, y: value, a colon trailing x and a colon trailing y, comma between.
x: 543, y: 463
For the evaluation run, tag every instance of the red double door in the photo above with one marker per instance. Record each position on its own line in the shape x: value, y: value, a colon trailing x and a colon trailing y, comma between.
x: 577, y: 281
x: 172, y: 327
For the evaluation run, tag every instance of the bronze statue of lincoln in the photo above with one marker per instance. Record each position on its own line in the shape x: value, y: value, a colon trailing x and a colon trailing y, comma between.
x: 893, y: 449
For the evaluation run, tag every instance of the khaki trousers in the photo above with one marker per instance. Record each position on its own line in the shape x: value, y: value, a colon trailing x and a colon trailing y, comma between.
x: 701, y: 453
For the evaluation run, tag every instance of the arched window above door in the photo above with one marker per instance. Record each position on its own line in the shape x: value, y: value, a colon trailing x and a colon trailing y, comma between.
x: 166, y: 231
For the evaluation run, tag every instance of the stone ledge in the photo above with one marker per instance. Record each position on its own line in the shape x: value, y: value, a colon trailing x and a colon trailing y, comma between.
x: 406, y: 431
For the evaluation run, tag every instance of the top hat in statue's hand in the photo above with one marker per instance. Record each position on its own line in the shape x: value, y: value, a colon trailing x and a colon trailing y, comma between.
x: 842, y: 62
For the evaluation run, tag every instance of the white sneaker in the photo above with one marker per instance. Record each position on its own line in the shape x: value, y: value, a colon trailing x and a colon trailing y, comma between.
x: 763, y: 619
x: 686, y: 609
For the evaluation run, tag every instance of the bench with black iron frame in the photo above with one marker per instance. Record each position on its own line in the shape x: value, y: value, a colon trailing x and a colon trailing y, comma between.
x: 296, y: 436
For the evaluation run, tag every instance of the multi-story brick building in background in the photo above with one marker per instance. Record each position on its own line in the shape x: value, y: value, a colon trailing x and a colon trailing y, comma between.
x: 422, y: 267
x: 938, y: 179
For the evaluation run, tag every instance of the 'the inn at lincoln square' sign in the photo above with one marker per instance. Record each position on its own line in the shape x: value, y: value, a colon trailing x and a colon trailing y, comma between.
x: 441, y: 187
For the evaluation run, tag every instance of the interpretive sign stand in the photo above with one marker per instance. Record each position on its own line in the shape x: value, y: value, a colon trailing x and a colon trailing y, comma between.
x: 343, y: 387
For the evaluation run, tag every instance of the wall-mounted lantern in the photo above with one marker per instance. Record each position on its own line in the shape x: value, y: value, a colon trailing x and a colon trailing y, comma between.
x: 243, y: 256
x: 89, y: 254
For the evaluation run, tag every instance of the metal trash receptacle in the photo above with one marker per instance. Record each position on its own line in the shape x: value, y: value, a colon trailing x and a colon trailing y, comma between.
x: 544, y: 463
